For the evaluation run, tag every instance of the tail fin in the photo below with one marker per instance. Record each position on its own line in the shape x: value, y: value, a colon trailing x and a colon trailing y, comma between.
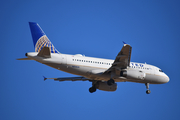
x: 40, y: 39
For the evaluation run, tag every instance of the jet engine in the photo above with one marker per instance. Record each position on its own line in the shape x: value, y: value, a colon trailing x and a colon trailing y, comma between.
x: 132, y: 74
x: 105, y: 87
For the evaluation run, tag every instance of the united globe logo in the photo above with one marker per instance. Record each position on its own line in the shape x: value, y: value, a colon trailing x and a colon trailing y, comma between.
x: 44, y: 42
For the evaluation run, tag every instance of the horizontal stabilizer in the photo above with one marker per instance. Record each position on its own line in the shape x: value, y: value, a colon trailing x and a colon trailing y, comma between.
x: 24, y: 59
x: 45, y: 52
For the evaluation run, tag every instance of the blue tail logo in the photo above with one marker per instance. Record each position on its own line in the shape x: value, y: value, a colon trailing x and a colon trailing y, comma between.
x: 40, y: 39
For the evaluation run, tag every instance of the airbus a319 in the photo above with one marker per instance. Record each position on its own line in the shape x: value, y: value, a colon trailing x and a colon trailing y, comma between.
x: 103, y: 73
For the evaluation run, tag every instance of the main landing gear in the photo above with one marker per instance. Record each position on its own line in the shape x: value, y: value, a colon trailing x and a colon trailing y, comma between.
x: 110, y: 82
x: 92, y: 89
x: 95, y: 85
x: 147, y: 87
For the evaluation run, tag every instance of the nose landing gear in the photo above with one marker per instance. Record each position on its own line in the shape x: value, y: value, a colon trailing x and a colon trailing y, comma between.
x: 147, y: 87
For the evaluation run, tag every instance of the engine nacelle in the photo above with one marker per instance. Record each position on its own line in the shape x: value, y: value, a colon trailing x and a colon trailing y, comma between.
x: 133, y: 74
x: 105, y: 87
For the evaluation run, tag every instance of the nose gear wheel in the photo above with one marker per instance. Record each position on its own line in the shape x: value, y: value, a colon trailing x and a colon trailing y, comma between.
x: 147, y: 87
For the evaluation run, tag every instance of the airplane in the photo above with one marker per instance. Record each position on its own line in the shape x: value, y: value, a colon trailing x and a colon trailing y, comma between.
x: 103, y: 73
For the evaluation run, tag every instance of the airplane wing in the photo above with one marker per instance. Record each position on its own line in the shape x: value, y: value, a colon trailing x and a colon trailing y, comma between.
x: 122, y: 59
x: 69, y: 79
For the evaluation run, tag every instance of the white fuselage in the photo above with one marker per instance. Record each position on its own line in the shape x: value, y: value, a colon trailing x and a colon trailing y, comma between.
x: 93, y: 68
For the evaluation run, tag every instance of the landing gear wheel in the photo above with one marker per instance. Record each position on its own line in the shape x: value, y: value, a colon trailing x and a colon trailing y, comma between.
x: 110, y: 82
x: 92, y: 89
x: 148, y: 91
x: 147, y: 87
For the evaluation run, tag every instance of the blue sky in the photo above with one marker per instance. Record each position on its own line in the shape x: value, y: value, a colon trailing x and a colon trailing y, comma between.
x: 94, y: 28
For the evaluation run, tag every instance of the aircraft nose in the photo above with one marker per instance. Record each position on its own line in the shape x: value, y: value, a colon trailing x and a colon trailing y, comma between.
x: 166, y: 78
x: 163, y: 79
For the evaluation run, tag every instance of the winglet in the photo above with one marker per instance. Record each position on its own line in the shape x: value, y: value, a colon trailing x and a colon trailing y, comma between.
x: 124, y: 42
x: 44, y: 78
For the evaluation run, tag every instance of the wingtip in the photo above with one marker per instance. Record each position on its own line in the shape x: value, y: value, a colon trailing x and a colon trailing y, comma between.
x: 44, y: 78
x: 124, y: 42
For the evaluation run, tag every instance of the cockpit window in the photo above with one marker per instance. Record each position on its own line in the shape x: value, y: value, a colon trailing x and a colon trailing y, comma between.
x: 160, y: 70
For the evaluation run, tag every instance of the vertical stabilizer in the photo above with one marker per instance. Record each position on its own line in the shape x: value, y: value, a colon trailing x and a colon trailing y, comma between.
x: 40, y: 39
